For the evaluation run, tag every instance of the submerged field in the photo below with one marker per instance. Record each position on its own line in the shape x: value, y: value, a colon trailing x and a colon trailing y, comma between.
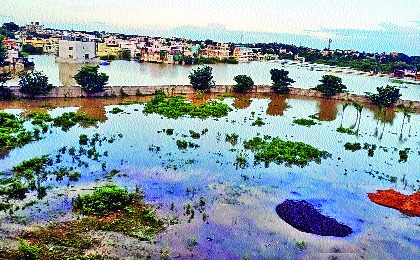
x: 214, y: 176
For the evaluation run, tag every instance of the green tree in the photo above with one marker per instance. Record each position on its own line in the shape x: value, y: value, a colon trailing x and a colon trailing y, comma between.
x: 125, y: 55
x: 3, y: 51
x: 90, y: 80
x: 281, y: 81
x: 202, y: 79
x: 330, y: 86
x: 386, y: 97
x: 5, y: 92
x: 11, y: 27
x: 244, y: 83
x: 32, y: 50
x: 34, y: 83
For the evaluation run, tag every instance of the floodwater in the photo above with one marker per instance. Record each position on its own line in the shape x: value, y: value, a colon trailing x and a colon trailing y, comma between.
x: 131, y: 73
x: 240, y: 202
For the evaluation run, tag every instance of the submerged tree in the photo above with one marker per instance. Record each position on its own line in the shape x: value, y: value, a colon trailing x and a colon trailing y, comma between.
x: 90, y: 80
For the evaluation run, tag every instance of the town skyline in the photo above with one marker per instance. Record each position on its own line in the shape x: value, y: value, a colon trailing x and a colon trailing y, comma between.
x: 366, y: 28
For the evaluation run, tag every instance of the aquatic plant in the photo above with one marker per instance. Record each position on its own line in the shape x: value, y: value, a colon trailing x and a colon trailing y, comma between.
x: 403, y: 155
x: 175, y: 107
x: 288, y: 152
x: 304, y: 122
x: 12, y: 132
x: 345, y: 130
x: 232, y: 138
x: 183, y: 144
x: 116, y: 110
x: 70, y: 119
x: 258, y: 122
x: 352, y: 146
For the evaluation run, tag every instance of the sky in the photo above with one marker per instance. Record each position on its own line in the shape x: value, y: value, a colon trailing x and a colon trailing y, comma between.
x: 374, y: 25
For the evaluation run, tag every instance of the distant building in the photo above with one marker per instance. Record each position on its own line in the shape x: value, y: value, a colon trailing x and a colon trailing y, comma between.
x: 218, y: 50
x: 243, y: 54
x: 35, y: 27
x: 77, y: 49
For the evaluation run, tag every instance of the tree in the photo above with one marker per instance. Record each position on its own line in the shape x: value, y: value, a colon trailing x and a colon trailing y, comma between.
x: 3, y: 51
x: 126, y: 55
x: 11, y: 27
x: 32, y: 50
x: 244, y: 83
x: 330, y: 86
x: 5, y: 92
x: 202, y: 79
x: 281, y: 81
x: 386, y: 97
x: 34, y: 83
x: 90, y: 80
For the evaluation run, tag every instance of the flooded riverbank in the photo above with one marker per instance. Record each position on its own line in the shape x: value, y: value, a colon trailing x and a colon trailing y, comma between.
x: 238, y: 218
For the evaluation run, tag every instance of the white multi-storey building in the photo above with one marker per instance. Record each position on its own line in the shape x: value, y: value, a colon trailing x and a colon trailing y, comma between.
x: 77, y: 49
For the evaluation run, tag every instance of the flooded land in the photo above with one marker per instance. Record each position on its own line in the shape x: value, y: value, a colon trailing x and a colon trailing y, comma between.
x: 206, y: 180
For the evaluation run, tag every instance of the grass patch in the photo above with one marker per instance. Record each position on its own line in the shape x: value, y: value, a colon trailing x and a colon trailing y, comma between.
x: 70, y: 119
x: 258, y: 122
x: 175, y: 107
x: 12, y: 132
x: 116, y: 110
x: 183, y: 144
x: 288, y: 152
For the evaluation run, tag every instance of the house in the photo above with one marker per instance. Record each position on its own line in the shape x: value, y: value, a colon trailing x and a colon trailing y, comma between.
x: 243, y: 54
x: 35, y: 27
x: 77, y: 49
x: 218, y: 50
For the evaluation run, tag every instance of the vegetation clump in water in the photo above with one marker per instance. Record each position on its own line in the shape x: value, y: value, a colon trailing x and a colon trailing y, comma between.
x: 70, y: 119
x: 12, y: 132
x: 344, y: 130
x: 289, y: 152
x: 304, y: 122
x: 175, y: 107
x: 352, y: 146
x: 183, y: 144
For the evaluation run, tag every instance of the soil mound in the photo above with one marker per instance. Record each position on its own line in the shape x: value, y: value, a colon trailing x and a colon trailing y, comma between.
x: 406, y: 204
x: 305, y: 217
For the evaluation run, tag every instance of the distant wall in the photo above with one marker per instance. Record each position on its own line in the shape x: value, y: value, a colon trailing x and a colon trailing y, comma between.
x: 74, y: 91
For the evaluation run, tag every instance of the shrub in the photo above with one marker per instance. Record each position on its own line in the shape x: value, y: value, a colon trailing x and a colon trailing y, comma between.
x: 202, y: 79
x: 304, y: 122
x: 352, y: 146
x: 244, y: 83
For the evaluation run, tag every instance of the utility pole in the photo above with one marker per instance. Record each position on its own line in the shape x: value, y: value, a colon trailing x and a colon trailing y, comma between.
x: 329, y: 44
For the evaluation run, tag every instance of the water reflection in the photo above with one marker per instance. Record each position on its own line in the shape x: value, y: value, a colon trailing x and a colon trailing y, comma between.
x: 328, y: 109
x: 242, y: 101
x: 277, y: 105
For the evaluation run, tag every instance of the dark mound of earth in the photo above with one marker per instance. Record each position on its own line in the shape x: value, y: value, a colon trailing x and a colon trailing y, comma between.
x: 306, y: 218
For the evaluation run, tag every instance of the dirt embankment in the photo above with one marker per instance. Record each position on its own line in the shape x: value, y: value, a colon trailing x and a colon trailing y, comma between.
x: 406, y: 204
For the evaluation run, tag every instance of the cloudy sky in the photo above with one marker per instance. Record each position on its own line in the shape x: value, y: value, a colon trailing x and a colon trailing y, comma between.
x: 348, y: 22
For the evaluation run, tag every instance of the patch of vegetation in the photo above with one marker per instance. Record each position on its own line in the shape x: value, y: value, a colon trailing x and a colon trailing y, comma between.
x: 232, y: 138
x: 281, y: 81
x: 330, y: 86
x: 70, y: 119
x: 288, y: 152
x: 194, y: 135
x: 344, y: 130
x: 302, y: 245
x: 12, y: 132
x: 352, y: 146
x: 175, y: 107
x: 304, y: 122
x: 104, y: 200
x: 169, y: 131
x: 73, y: 239
x: 183, y: 144
x: 241, y: 160
x: 116, y: 110
x: 403, y: 155
x: 258, y: 122
x: 370, y: 148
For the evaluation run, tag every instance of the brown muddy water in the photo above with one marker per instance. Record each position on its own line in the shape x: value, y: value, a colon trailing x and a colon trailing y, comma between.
x: 238, y: 219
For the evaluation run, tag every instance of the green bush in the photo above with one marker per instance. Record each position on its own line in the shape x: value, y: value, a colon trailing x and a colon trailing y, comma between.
x: 330, y: 85
x: 304, y: 122
x: 244, y: 83
x: 386, y: 97
x: 202, y: 79
x: 352, y: 146
x: 104, y: 200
